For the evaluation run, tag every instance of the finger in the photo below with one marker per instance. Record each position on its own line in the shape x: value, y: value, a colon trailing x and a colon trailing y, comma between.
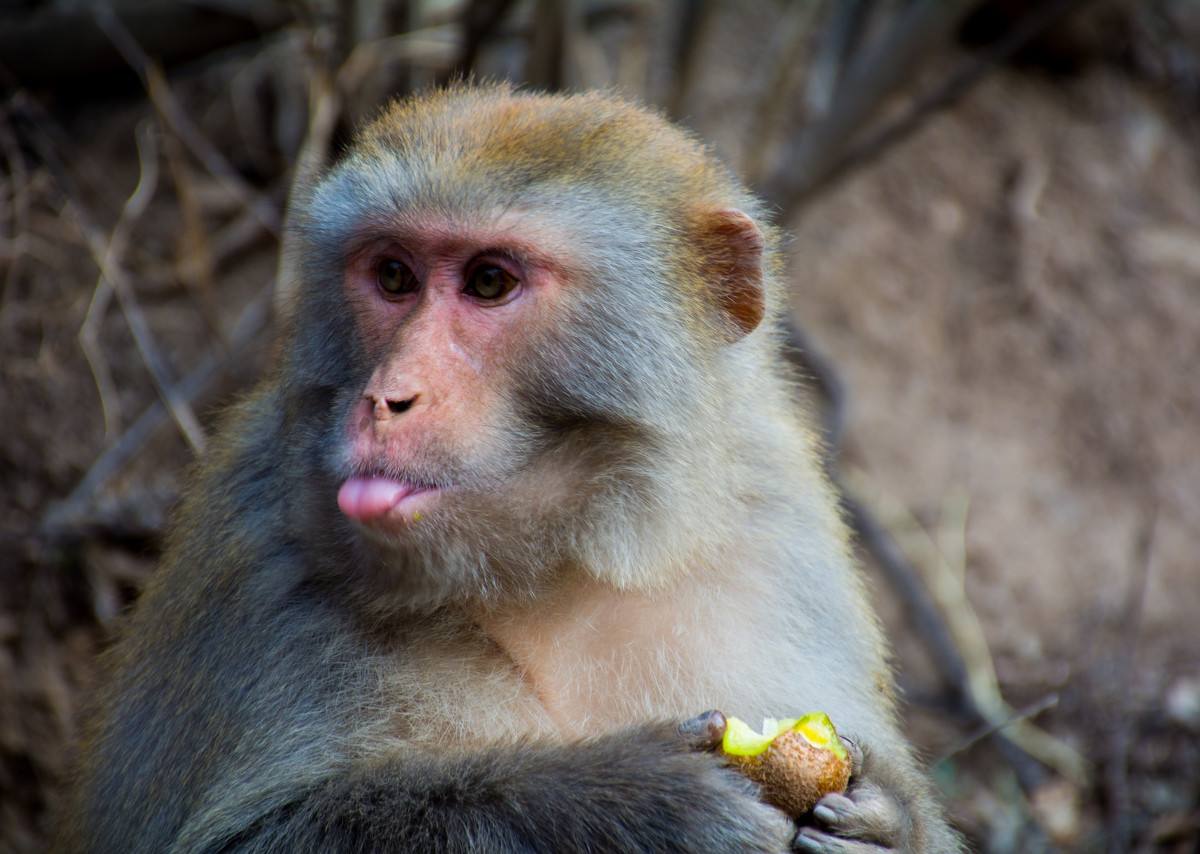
x: 813, y: 841
x: 867, y: 813
x: 857, y: 756
x: 705, y: 731
x: 833, y: 809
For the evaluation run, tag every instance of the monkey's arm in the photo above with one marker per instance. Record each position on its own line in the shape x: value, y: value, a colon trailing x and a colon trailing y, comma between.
x: 267, y: 746
x: 251, y: 723
x: 645, y: 790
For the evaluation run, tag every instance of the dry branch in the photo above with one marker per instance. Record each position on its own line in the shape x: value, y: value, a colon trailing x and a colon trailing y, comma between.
x: 1120, y: 717
x: 692, y: 33
x: 823, y: 170
x: 945, y: 578
x: 194, y: 263
x: 922, y: 27
x: 987, y: 730
x: 180, y: 123
x: 479, y: 22
x: 139, y: 326
x: 839, y: 41
x: 57, y: 44
x: 114, y: 254
x: 65, y: 517
x: 324, y: 111
x: 775, y: 82
x: 546, y: 60
x: 432, y: 47
x: 18, y: 218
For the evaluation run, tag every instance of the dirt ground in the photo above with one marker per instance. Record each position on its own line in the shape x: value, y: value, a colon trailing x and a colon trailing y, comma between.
x: 1014, y: 302
x: 1012, y: 298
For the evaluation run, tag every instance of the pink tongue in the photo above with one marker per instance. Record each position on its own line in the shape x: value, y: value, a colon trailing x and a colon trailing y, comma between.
x: 365, y: 498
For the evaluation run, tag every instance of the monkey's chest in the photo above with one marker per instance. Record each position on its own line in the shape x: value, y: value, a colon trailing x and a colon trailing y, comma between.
x: 596, y: 659
x: 622, y: 661
x: 492, y: 694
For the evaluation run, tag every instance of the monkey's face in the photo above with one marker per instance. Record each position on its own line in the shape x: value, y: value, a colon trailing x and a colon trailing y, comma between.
x: 456, y: 448
x: 522, y: 307
x: 443, y: 311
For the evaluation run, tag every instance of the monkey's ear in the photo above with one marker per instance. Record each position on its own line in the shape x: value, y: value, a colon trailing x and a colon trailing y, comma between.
x: 732, y: 258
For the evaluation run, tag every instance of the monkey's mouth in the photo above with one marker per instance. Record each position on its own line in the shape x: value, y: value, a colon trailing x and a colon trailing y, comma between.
x: 372, y: 498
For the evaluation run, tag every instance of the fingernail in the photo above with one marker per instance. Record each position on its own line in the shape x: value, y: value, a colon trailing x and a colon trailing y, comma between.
x: 803, y: 842
x: 708, y: 727
x: 825, y: 814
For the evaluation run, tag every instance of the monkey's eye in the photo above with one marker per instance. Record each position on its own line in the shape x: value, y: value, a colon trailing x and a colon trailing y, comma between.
x: 394, y: 277
x: 489, y: 282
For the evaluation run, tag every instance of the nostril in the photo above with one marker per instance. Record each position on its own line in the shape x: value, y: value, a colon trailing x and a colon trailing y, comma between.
x: 398, y: 406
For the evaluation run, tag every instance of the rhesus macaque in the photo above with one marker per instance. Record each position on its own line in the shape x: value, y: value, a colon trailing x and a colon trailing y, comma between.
x: 524, y: 492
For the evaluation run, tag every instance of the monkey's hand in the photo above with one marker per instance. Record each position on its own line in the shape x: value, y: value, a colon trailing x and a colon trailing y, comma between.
x: 880, y: 811
x: 744, y: 808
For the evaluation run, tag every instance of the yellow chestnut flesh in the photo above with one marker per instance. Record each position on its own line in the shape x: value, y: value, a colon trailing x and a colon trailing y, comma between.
x: 796, y: 761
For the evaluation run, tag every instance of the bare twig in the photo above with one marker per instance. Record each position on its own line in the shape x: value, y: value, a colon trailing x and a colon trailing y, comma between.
x: 1120, y: 718
x: 19, y: 221
x: 247, y: 115
x: 820, y: 370
x: 324, y: 108
x: 179, y: 122
x: 430, y: 46
x: 238, y: 235
x: 387, y: 69
x: 821, y: 170
x: 64, y: 515
x: 922, y: 26
x: 193, y: 260
x: 324, y: 111
x: 96, y: 243
x: 547, y: 57
x: 899, y: 572
x: 241, y: 232
x: 139, y: 327
x: 989, y: 729
x: 945, y: 578
x: 479, y: 21
x: 692, y: 33
x: 775, y: 82
x: 923, y: 611
x: 47, y: 252
x: 369, y: 20
x: 633, y: 59
x: 839, y: 40
x: 114, y: 253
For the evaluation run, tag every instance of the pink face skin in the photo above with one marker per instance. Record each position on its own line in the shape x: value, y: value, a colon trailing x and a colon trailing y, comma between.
x: 439, y: 339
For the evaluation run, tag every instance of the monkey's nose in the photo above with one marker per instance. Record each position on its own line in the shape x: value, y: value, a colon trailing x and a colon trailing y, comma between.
x: 383, y: 407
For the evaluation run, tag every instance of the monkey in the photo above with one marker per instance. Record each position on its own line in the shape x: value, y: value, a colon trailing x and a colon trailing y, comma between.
x: 524, y: 490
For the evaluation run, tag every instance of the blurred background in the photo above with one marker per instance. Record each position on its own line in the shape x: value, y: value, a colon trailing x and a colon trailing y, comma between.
x: 995, y: 272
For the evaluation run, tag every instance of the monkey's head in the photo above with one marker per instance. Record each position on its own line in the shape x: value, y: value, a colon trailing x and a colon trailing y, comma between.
x: 537, y: 318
